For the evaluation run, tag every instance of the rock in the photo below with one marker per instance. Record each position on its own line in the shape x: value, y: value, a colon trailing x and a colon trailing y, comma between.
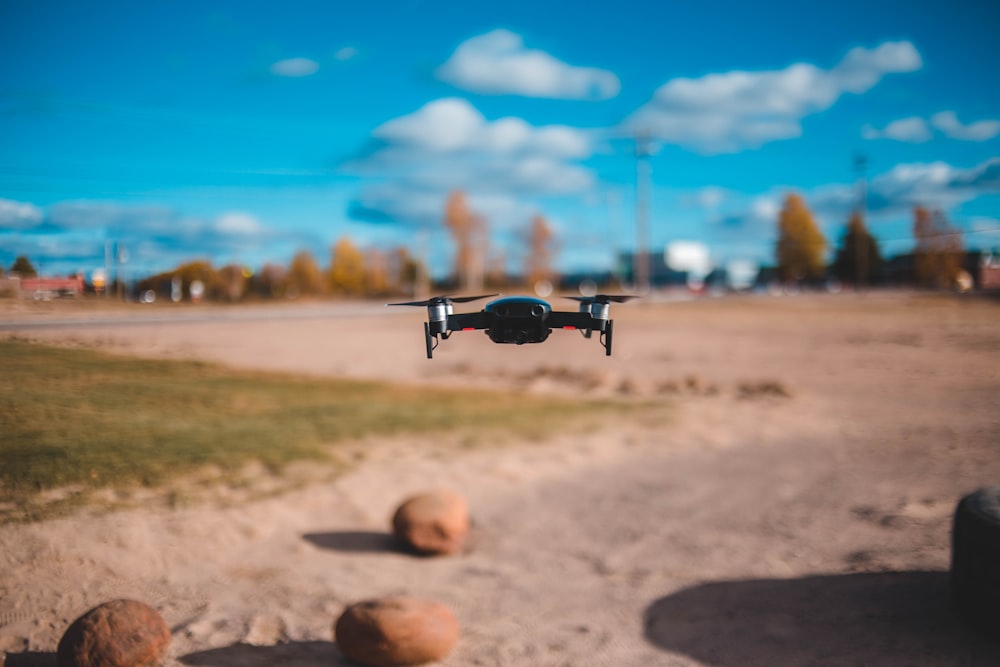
x: 435, y: 523
x: 395, y: 631
x: 120, y: 633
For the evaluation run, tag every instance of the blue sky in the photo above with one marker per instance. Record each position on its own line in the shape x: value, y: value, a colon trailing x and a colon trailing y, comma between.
x: 246, y: 131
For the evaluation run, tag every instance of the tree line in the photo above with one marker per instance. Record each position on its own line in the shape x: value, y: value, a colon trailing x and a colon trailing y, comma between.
x: 801, y: 249
x: 372, y: 272
x: 800, y: 258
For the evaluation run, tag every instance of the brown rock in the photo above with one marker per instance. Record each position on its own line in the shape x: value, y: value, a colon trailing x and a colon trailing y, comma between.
x: 120, y: 633
x: 435, y: 523
x: 394, y: 631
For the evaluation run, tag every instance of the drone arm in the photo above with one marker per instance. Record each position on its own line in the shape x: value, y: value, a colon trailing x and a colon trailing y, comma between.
x: 568, y: 320
x: 464, y: 321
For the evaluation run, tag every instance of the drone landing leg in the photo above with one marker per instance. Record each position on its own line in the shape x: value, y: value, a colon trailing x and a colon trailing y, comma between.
x: 608, y: 331
x: 429, y: 340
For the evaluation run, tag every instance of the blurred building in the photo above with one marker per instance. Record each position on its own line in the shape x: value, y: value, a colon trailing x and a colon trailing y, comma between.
x: 43, y: 288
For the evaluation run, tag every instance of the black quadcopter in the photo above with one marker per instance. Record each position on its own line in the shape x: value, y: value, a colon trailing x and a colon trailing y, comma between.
x: 517, y: 319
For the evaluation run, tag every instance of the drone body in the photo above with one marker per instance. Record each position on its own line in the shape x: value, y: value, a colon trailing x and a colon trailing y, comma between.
x: 517, y: 319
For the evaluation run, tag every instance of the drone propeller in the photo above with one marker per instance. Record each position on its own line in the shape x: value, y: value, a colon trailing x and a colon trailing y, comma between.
x: 604, y: 298
x: 437, y: 300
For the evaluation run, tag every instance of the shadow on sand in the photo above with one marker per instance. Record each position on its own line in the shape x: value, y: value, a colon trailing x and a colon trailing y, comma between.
x: 899, y: 618
x: 31, y: 659
x: 292, y: 654
x: 356, y: 541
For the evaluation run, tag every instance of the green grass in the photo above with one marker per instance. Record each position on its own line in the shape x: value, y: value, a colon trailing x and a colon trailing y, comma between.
x: 86, y: 419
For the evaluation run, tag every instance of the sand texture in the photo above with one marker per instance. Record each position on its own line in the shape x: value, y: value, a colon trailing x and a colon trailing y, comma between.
x: 795, y: 510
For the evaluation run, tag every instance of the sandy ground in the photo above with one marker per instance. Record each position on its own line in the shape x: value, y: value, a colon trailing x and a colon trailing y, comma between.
x: 756, y: 528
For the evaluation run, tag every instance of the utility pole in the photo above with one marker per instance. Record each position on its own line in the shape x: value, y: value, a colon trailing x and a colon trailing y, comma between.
x: 861, y: 238
x: 107, y: 269
x: 122, y: 257
x: 613, y: 202
x: 643, y: 169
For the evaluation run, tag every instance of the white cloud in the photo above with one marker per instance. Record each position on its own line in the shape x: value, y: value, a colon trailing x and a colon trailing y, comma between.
x: 731, y: 111
x: 710, y: 197
x: 454, y: 125
x: 15, y: 215
x: 70, y: 235
x: 497, y: 63
x: 440, y: 126
x: 912, y: 130
x: 862, y: 68
x: 931, y: 184
x: 917, y: 130
x: 947, y: 122
x: 238, y: 223
x: 765, y: 207
x: 346, y: 53
x: 448, y: 144
x: 295, y: 67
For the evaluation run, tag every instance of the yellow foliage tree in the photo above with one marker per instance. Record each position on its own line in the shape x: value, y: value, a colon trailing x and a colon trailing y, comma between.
x: 347, y: 269
x: 801, y: 244
x: 304, y: 276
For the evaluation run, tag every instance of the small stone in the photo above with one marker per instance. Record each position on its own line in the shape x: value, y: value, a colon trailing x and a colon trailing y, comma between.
x: 120, y: 633
x: 265, y: 631
x: 394, y: 631
x: 434, y: 523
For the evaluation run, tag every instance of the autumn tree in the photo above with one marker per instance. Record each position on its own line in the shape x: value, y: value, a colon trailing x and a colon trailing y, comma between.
x: 377, y: 279
x: 23, y: 267
x: 198, y: 270
x: 404, y: 271
x: 304, y: 276
x: 270, y: 281
x: 937, y: 254
x: 801, y: 245
x: 347, y: 269
x: 538, y: 265
x: 858, y: 259
x: 470, y: 235
x: 232, y: 282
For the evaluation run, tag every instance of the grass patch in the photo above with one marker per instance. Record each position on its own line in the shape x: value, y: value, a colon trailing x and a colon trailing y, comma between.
x: 84, y: 419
